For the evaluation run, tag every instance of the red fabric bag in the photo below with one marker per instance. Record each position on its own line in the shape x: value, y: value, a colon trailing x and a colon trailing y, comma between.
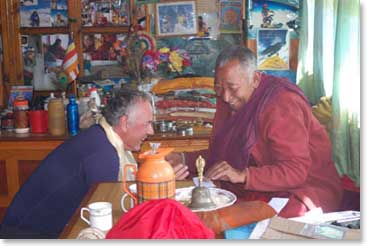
x: 160, y: 219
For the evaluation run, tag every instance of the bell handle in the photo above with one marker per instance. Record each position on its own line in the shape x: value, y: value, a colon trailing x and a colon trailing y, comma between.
x: 124, y: 186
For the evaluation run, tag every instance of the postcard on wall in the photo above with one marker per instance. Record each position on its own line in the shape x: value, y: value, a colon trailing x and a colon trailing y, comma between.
x: 59, y: 12
x: 273, y: 14
x: 273, y: 49
x: 37, y: 13
x: 230, y: 16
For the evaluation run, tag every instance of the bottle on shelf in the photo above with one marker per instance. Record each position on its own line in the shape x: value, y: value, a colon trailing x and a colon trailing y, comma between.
x: 56, y: 117
x: 52, y: 96
x: 94, y: 94
x: 73, y: 115
x: 21, y: 117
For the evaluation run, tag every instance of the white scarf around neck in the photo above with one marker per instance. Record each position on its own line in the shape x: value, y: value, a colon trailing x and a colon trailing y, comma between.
x: 125, y: 156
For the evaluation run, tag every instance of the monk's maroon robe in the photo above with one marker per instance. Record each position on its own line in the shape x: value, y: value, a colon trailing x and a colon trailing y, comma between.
x: 285, y: 151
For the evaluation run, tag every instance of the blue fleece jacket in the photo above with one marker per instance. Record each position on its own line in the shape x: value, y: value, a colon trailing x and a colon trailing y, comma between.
x: 48, y: 199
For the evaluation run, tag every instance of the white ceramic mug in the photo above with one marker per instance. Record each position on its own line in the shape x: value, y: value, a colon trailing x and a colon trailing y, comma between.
x: 100, y: 215
x: 132, y: 188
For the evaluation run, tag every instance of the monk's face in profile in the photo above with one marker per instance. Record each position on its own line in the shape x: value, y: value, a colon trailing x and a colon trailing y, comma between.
x: 234, y: 84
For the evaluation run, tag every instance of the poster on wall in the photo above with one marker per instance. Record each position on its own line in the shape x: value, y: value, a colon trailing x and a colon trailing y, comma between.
x: 273, y: 49
x: 273, y: 14
x: 230, y: 16
x: 43, y: 13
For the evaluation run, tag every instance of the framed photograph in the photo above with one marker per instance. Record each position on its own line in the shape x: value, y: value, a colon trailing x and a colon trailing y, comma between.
x: 230, y: 16
x: 176, y: 18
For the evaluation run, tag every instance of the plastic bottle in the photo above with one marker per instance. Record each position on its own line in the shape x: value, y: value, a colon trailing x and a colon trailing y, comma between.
x: 56, y: 117
x: 66, y: 100
x: 52, y: 96
x: 94, y: 94
x: 73, y: 116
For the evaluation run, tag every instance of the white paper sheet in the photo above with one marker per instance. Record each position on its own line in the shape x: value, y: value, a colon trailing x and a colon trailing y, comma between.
x: 206, y: 182
x: 278, y: 203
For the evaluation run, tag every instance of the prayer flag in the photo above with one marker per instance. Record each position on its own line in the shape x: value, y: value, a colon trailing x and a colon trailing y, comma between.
x: 70, y: 64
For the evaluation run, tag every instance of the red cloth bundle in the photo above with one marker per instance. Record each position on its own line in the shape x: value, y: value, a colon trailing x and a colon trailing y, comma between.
x: 160, y: 219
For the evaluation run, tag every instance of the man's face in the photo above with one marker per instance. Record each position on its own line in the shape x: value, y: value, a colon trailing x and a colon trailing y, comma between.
x: 139, y: 126
x: 233, y: 84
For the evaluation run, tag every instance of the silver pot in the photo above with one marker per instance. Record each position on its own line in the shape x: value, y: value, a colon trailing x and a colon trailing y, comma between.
x: 162, y: 126
x: 185, y: 130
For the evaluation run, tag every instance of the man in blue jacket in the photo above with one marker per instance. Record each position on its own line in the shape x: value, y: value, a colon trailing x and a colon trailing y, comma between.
x: 48, y: 199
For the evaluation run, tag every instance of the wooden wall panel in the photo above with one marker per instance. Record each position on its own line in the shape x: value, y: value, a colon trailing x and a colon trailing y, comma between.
x: 25, y: 169
x: 2, y: 213
x: 251, y: 44
x: 293, y: 59
x: 3, y: 179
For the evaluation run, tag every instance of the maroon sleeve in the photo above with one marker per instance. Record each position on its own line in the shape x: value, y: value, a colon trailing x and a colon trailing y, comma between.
x: 222, y: 113
x: 284, y: 129
x: 190, y: 158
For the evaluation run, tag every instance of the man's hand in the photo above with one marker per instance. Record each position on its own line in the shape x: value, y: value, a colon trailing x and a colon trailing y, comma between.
x: 177, y: 162
x: 223, y: 171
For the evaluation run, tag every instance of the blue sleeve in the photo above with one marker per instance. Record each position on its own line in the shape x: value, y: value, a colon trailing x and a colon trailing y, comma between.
x: 101, y: 167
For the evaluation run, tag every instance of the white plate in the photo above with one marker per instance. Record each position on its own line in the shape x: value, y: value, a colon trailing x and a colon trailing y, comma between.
x: 221, y: 198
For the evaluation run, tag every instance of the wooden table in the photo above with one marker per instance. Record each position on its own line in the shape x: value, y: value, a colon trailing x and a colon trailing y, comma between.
x: 108, y: 192
x: 21, y: 154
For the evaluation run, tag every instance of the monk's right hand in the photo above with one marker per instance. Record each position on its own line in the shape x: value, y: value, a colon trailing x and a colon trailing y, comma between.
x: 181, y: 171
x: 177, y: 162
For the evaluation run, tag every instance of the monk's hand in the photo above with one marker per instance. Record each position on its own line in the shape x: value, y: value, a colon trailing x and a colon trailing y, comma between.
x: 178, y: 164
x: 181, y: 171
x: 224, y: 172
x: 175, y: 158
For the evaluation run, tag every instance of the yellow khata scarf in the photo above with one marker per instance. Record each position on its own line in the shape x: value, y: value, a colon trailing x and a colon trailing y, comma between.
x: 125, y: 156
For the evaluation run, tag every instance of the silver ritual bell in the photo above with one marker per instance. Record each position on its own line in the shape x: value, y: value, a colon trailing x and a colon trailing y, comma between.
x: 200, y: 197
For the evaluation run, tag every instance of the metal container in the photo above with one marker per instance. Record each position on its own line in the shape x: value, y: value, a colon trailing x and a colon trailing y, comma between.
x: 185, y: 130
x: 162, y: 126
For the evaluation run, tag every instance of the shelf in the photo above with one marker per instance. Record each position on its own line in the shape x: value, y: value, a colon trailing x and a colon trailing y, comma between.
x: 105, y: 29
x: 43, y: 30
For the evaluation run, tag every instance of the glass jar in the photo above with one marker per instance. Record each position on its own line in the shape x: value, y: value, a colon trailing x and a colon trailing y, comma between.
x: 21, y: 117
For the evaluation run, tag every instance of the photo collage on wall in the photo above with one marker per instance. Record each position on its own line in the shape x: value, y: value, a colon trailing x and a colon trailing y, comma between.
x: 273, y: 23
x: 43, y: 13
x: 105, y: 13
